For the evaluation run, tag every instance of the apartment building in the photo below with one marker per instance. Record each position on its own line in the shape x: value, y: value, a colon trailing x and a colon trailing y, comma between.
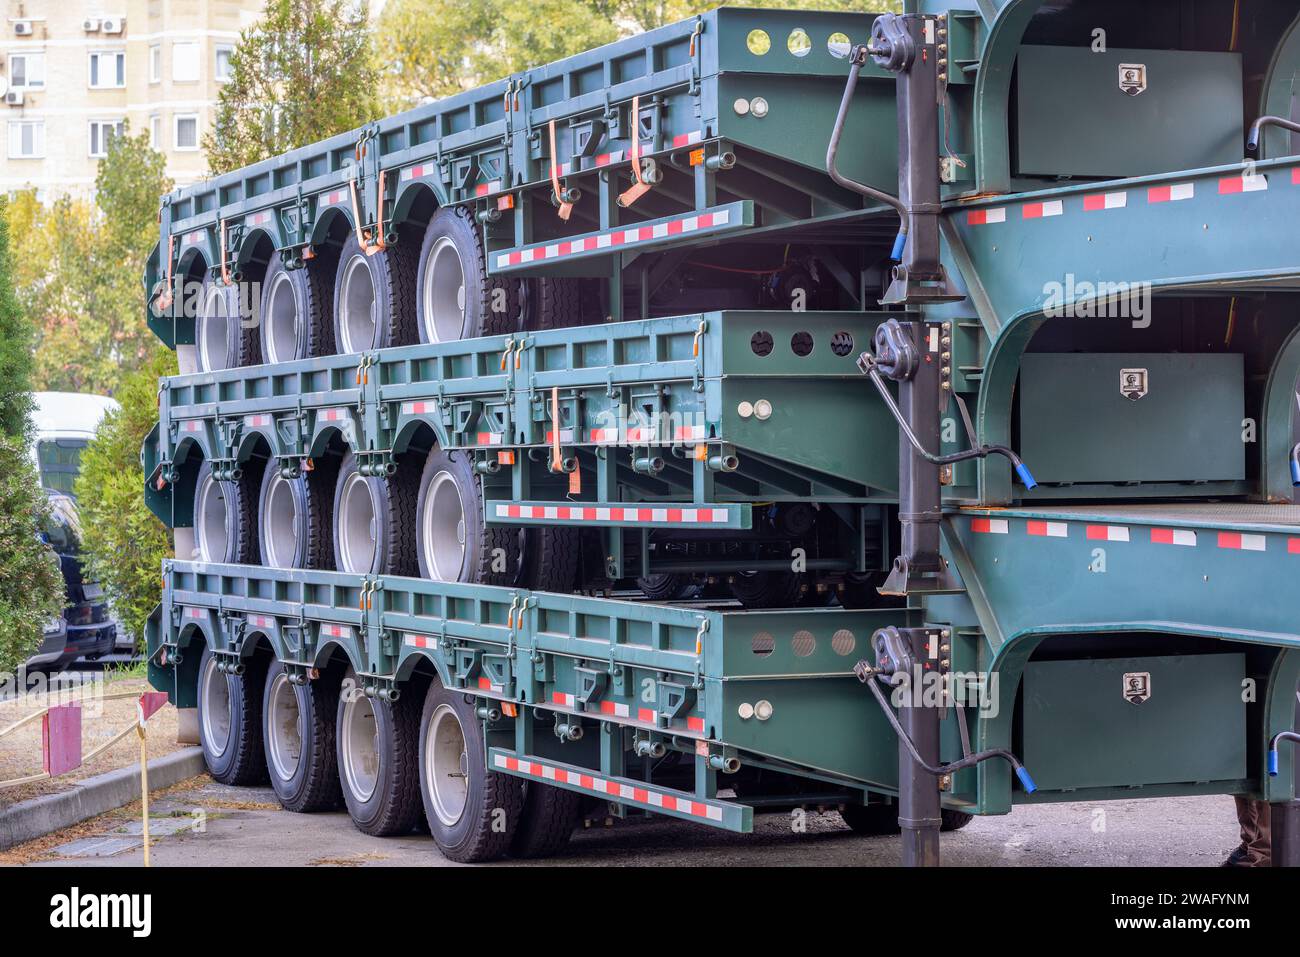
x: 75, y: 73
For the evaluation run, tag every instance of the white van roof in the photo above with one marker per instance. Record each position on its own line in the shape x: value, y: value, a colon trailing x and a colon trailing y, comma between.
x: 69, y: 414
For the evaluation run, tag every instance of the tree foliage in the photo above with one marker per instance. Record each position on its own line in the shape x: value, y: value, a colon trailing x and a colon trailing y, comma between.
x: 78, y: 268
x: 302, y: 73
x: 123, y: 543
x: 17, y: 338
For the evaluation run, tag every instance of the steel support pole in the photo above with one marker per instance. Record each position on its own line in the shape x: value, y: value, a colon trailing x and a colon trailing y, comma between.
x: 918, y: 789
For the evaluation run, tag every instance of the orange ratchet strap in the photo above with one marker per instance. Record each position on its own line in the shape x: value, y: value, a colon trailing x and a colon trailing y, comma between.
x: 363, y: 236
x: 640, y: 187
x: 566, y: 209
x: 225, y: 263
x: 165, y: 299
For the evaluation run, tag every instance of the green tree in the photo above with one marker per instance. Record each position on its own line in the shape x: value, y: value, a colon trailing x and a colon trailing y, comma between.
x: 123, y: 542
x: 78, y: 269
x: 17, y: 338
x: 304, y: 72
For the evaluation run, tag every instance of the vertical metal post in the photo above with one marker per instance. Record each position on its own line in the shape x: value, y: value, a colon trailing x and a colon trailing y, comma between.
x: 918, y: 790
x: 1284, y: 817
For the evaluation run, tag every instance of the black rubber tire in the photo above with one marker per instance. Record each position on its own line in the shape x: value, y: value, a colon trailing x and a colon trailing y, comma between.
x: 550, y: 558
x: 860, y: 591
x: 665, y: 586
x: 394, y: 498
x: 547, y: 821
x: 394, y: 806
x: 768, y: 589
x: 392, y: 273
x: 312, y: 291
x: 560, y: 302
x: 242, y: 762
x: 314, y: 785
x: 876, y: 820
x: 481, y: 564
x: 241, y: 498
x: 494, y: 801
x: 235, y: 346
x: 313, y: 495
x: 491, y: 304
x: 871, y: 820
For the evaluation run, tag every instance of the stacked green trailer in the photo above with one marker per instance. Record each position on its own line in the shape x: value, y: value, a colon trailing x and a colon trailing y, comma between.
x: 527, y: 449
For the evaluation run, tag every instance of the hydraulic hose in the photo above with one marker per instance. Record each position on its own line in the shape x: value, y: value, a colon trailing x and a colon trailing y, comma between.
x: 867, y: 364
x: 1252, y: 141
x: 856, y: 61
x: 1295, y: 466
x: 1272, y: 749
x: 970, y: 760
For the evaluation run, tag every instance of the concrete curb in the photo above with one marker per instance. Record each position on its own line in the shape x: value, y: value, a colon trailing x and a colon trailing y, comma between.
x: 104, y: 792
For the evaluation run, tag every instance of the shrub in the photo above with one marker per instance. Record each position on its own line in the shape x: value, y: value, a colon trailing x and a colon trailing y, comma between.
x: 33, y: 591
x: 123, y: 543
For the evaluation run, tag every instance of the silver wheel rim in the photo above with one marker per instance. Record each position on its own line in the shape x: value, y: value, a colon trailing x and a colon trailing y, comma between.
x: 360, y: 736
x: 446, y: 764
x: 358, y: 518
x: 211, y: 332
x: 357, y: 304
x: 442, y: 525
x: 280, y: 522
x: 444, y: 293
x: 210, y: 526
x: 214, y: 703
x: 281, y: 321
x: 284, y: 728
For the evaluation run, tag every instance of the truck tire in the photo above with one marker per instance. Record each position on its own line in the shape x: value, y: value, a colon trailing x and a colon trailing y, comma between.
x: 954, y: 820
x: 665, y: 586
x: 374, y: 300
x: 452, y: 541
x: 373, y: 530
x: 295, y: 519
x: 222, y: 338
x: 225, y: 519
x: 547, y: 821
x: 296, y: 320
x: 378, y: 761
x: 550, y: 558
x: 472, y: 812
x: 456, y: 298
x: 558, y: 302
x: 298, y: 736
x: 768, y: 589
x: 230, y: 721
x: 860, y: 590
x: 875, y: 820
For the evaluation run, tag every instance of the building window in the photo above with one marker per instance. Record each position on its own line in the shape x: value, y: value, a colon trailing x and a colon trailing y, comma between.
x: 155, y: 131
x: 155, y: 63
x: 26, y: 139
x: 186, y: 134
x: 185, y: 62
x: 107, y: 69
x: 26, y: 71
x: 224, y: 50
x: 102, y: 133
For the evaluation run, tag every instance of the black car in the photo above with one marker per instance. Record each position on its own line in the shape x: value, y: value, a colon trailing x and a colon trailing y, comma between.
x: 86, y: 629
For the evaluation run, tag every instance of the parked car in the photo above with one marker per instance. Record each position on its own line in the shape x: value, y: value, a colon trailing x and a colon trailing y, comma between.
x: 85, y: 629
x: 64, y: 423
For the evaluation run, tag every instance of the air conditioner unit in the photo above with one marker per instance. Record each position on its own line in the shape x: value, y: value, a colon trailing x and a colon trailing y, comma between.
x: 23, y: 28
x: 14, y: 98
x: 112, y: 24
x: 90, y: 25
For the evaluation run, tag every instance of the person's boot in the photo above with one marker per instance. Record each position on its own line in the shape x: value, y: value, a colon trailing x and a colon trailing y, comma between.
x: 1240, y: 857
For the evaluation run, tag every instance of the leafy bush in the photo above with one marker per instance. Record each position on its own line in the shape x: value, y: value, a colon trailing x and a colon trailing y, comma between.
x: 123, y: 543
x: 32, y: 592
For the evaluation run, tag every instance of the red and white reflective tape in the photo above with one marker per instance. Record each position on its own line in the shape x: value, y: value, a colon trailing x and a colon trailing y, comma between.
x: 259, y: 219
x: 615, y: 708
x: 566, y: 435
x: 336, y: 631
x: 1108, y: 533
x: 604, y: 159
x: 1258, y: 183
x: 257, y: 421
x: 1173, y: 536
x: 1240, y: 542
x: 983, y: 217
x: 1293, y: 546
x: 1096, y: 201
x: 1171, y: 194
x: 415, y: 172
x: 599, y: 785
x: 587, y: 513
x: 487, y: 189
x: 333, y: 415
x: 489, y: 438
x: 1048, y: 529
x: 485, y: 684
x: 421, y: 641
x: 198, y: 614
x: 336, y: 197
x: 990, y: 526
x: 567, y: 700
x: 261, y: 621
x: 1051, y: 207
x: 418, y: 408
x: 196, y: 236
x: 687, y: 139
x: 604, y: 436
x: 191, y: 425
x: 616, y: 237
